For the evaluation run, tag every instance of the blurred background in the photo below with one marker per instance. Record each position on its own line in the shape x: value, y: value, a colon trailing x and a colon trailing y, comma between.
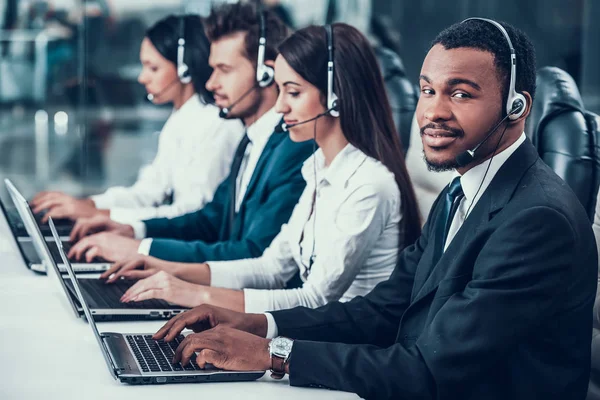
x: 74, y: 118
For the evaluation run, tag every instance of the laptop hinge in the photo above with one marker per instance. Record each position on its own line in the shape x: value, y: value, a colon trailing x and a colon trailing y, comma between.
x: 115, y: 370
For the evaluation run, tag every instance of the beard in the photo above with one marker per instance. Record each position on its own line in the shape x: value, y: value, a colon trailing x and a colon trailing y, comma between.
x: 440, y: 166
x: 443, y: 166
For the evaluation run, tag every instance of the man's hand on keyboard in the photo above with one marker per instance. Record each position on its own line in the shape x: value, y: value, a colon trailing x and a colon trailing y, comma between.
x: 99, y: 223
x: 226, y: 348
x: 107, y: 245
x: 59, y: 205
x: 205, y: 317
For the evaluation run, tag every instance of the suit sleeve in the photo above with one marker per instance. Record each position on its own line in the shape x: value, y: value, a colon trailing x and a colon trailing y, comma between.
x: 202, y: 225
x: 523, y: 262
x: 268, y: 213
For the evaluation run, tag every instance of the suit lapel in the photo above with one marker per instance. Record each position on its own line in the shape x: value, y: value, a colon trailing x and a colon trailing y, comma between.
x: 497, y: 195
x: 274, y: 140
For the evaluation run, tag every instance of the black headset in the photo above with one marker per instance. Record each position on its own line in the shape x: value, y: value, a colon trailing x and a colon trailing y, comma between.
x: 183, y: 71
x: 332, y: 99
x: 264, y: 73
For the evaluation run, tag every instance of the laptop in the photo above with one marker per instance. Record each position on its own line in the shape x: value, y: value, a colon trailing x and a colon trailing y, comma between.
x: 138, y: 359
x: 104, y: 299
x: 32, y: 254
x: 64, y: 226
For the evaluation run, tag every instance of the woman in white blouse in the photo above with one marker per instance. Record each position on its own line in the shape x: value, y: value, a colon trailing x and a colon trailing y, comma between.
x: 195, y: 148
x: 358, y: 209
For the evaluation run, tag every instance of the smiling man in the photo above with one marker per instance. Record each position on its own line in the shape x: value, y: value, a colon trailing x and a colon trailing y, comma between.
x: 251, y: 205
x: 493, y: 301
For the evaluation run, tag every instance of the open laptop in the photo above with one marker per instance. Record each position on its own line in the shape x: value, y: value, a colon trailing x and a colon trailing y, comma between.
x: 104, y: 299
x: 25, y: 245
x: 138, y: 359
x: 63, y: 226
x: 32, y: 254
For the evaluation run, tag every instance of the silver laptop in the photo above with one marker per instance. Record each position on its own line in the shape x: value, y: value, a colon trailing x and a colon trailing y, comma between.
x: 104, y: 299
x: 138, y: 359
x: 28, y: 246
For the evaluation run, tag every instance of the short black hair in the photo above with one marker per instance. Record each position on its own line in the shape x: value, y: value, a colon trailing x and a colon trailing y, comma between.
x: 230, y: 18
x: 484, y: 36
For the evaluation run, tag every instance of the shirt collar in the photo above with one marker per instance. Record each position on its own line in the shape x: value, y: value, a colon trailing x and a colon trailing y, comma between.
x: 262, y: 129
x: 471, y: 179
x: 191, y: 104
x: 343, y: 166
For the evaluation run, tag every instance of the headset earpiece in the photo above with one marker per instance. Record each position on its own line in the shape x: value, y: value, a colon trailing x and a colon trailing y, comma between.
x: 332, y: 99
x: 518, y: 107
x: 265, y: 74
x: 183, y: 71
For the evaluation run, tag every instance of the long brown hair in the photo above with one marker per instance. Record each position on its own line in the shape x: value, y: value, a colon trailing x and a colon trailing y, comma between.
x: 365, y: 112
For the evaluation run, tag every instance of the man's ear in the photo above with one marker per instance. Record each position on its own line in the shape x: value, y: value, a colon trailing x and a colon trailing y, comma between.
x: 270, y: 63
x: 528, y: 106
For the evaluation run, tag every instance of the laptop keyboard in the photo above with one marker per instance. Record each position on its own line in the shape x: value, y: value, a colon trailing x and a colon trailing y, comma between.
x: 156, y: 355
x: 109, y: 295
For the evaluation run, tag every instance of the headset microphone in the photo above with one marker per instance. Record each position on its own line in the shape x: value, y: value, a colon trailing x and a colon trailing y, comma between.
x: 465, y: 158
x: 224, y: 112
x: 152, y: 96
x: 283, y: 127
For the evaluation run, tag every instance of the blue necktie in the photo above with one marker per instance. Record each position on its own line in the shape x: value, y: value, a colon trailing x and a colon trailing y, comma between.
x: 451, y: 202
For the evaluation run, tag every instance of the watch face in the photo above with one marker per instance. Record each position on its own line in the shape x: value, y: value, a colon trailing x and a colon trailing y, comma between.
x: 281, y: 347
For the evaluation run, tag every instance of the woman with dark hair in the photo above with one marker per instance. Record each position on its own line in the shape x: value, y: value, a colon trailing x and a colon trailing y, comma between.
x: 358, y: 210
x: 195, y: 147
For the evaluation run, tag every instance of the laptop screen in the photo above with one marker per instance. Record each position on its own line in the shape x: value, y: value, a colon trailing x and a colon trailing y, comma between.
x: 86, y: 309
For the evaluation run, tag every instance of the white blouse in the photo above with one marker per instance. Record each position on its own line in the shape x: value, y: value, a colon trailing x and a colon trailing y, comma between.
x: 195, y: 152
x: 355, y: 231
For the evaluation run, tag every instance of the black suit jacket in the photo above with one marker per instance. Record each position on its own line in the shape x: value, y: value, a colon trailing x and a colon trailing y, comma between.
x: 272, y: 193
x: 506, y: 313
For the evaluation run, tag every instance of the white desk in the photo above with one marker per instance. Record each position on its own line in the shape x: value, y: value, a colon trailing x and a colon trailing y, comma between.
x: 44, y: 347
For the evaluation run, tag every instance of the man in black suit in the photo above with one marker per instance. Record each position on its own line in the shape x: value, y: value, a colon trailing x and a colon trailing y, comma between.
x: 493, y: 301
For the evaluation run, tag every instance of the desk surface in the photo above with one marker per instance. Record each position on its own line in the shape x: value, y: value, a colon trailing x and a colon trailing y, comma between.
x: 44, y: 348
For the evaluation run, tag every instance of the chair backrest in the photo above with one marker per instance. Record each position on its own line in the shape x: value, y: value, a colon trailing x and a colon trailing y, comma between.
x: 401, y: 92
x: 565, y: 135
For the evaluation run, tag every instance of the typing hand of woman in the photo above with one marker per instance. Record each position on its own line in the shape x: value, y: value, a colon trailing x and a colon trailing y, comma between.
x: 138, y: 267
x: 165, y: 286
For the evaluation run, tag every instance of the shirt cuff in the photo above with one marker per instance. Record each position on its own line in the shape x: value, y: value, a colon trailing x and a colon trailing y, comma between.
x: 272, y: 330
x: 144, y: 248
x: 139, y: 229
x: 101, y: 202
x: 127, y: 216
x: 257, y: 301
x: 220, y: 274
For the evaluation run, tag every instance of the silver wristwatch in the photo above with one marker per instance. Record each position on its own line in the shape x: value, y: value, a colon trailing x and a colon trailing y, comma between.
x: 280, y: 349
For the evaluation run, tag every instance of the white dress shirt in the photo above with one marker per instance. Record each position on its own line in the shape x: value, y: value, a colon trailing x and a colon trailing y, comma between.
x: 355, y: 237
x: 470, y: 182
x: 194, y: 155
x: 259, y: 134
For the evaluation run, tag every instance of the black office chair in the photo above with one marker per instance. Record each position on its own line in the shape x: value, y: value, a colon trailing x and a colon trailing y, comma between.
x: 566, y: 136
x: 401, y: 92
